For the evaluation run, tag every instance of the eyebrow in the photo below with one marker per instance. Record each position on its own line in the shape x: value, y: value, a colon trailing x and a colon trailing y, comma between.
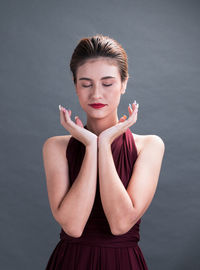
x: 103, y: 78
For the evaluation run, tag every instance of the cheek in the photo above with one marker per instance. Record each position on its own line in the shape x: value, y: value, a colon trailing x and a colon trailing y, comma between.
x: 114, y: 99
x: 81, y: 94
x: 115, y: 94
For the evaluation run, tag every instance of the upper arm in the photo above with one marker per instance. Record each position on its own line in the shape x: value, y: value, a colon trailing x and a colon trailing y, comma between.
x: 56, y: 171
x: 146, y: 171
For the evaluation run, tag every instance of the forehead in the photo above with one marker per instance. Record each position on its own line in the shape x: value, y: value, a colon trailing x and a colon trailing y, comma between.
x: 98, y: 67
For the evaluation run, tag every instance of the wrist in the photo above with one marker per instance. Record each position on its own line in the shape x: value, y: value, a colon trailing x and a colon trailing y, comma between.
x: 103, y: 142
x: 92, y: 144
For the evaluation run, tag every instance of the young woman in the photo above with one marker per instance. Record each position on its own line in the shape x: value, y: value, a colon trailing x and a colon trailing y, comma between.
x: 102, y: 177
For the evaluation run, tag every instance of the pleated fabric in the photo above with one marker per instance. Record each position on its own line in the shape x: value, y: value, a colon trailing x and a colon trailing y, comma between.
x: 98, y: 248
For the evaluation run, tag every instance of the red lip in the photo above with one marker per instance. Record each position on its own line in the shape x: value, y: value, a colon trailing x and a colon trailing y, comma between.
x: 97, y: 105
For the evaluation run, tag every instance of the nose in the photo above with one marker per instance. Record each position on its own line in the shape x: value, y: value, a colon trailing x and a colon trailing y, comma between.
x: 96, y: 91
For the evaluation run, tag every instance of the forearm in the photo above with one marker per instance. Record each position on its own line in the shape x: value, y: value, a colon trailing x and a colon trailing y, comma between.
x: 76, y: 206
x: 116, y: 202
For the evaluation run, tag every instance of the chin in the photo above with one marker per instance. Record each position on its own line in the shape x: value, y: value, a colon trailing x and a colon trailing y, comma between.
x: 96, y: 115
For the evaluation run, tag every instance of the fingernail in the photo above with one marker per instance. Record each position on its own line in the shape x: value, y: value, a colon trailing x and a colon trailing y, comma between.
x: 59, y: 107
x: 130, y: 106
x: 138, y: 105
x: 134, y: 102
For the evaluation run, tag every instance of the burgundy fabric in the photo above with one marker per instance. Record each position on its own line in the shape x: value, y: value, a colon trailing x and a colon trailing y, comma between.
x: 98, y: 248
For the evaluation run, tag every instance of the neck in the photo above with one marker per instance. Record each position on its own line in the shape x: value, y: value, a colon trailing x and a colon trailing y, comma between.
x: 99, y: 125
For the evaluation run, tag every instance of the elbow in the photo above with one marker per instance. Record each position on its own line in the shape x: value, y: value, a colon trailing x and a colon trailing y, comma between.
x: 69, y: 228
x: 72, y: 232
x: 123, y: 228
x: 76, y: 232
x: 116, y: 232
x: 120, y: 231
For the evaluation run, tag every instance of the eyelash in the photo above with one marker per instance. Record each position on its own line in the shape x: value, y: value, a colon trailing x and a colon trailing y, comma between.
x: 107, y: 85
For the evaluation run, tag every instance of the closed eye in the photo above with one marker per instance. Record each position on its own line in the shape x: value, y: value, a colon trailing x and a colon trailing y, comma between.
x: 103, y: 85
x: 87, y: 85
x: 107, y: 84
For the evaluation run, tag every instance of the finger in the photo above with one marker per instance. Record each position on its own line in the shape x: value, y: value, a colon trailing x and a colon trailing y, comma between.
x: 67, y: 115
x: 121, y: 119
x: 133, y: 105
x: 78, y: 121
x: 134, y: 109
x: 62, y: 109
x: 136, y: 105
x: 130, y: 109
x: 134, y: 114
x: 62, y: 116
x: 133, y: 117
x: 70, y: 112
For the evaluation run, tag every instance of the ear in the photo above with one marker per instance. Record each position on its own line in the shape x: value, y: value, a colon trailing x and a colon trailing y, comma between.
x: 123, y: 88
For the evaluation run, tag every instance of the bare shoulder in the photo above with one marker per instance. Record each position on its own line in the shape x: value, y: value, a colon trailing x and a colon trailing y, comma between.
x: 60, y: 142
x: 142, y: 141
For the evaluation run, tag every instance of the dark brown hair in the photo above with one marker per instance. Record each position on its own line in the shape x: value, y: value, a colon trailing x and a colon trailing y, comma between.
x: 99, y: 46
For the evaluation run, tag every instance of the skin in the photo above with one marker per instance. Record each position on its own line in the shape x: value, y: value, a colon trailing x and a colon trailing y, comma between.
x: 122, y: 207
x: 103, y: 122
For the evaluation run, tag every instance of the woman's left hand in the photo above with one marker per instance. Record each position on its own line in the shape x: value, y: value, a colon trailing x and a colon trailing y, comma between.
x: 110, y: 134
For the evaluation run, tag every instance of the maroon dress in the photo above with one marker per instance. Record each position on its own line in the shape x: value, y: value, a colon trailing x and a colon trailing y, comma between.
x: 98, y: 248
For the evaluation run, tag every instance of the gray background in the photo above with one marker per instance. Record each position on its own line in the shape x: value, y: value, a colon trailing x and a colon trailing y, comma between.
x: 161, y: 38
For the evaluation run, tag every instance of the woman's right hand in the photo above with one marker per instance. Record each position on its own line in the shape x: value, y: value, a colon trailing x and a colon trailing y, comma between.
x: 76, y: 129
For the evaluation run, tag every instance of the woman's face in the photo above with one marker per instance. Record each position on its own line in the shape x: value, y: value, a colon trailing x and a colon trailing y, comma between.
x: 99, y: 81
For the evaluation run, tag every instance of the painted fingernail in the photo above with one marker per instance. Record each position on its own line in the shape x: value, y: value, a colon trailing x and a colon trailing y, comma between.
x: 134, y: 102
x: 59, y: 107
x: 124, y: 116
x: 138, y: 105
x: 130, y: 106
